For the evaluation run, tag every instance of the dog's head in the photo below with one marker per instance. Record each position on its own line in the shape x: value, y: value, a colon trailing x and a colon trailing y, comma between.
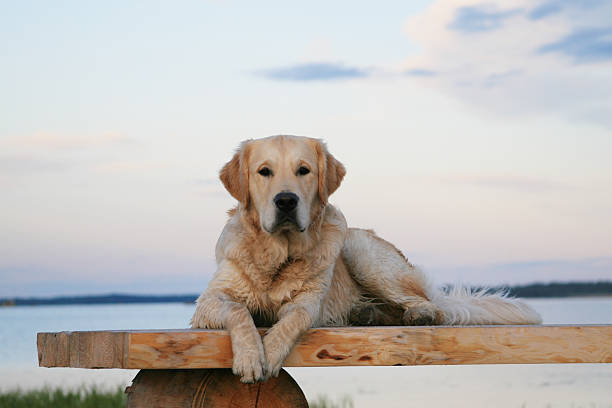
x: 284, y: 180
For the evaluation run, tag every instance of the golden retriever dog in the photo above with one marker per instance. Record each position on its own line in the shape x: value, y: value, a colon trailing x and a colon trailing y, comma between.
x: 287, y: 260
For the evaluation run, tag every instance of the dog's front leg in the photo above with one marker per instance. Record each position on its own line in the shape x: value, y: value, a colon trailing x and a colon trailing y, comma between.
x: 295, y: 317
x: 215, y: 310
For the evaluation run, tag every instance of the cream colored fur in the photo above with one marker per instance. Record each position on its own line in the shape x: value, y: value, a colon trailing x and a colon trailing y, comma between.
x: 314, y: 271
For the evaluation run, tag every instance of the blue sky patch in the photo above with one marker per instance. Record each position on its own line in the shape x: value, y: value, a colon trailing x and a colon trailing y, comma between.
x: 480, y: 18
x: 547, y: 9
x: 314, y: 71
x: 553, y: 7
x: 584, y: 45
x: 420, y: 72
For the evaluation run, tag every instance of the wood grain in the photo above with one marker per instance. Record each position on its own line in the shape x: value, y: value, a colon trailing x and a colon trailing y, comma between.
x: 86, y: 349
x: 337, y: 346
x: 211, y: 388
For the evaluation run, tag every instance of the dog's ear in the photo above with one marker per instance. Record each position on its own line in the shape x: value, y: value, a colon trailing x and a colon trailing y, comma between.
x: 331, y: 172
x: 235, y: 174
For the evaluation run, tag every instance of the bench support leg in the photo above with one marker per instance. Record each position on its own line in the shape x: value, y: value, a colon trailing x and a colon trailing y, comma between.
x: 211, y: 388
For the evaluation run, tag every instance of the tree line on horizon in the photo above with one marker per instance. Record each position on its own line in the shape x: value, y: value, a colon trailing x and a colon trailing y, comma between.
x: 535, y: 290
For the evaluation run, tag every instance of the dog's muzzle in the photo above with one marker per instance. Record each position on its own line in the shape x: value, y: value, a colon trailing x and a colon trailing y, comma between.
x: 286, y: 205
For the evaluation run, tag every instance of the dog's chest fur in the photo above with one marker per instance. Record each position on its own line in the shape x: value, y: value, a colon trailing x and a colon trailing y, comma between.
x: 270, y: 289
x: 279, y: 268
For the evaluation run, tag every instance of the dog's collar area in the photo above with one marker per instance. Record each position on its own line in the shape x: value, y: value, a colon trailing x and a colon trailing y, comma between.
x: 287, y: 262
x: 283, y: 265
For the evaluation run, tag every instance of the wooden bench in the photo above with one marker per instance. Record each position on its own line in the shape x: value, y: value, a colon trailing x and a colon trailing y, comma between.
x: 189, y: 368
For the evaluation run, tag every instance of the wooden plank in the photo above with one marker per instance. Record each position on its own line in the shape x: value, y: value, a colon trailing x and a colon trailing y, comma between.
x: 84, y: 349
x: 53, y: 349
x: 335, y: 346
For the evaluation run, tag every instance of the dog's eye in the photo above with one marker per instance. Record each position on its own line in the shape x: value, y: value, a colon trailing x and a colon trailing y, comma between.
x: 302, y: 171
x: 265, y: 172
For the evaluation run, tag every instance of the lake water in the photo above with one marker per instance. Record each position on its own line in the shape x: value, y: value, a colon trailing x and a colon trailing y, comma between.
x: 580, y: 385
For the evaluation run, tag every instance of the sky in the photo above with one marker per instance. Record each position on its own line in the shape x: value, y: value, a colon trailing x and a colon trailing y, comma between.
x: 477, y: 135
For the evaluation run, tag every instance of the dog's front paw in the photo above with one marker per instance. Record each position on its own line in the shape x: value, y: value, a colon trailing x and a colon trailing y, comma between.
x: 250, y: 365
x: 275, y: 352
x: 198, y: 320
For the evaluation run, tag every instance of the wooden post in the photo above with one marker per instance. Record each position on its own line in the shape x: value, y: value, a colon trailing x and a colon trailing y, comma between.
x: 211, y: 388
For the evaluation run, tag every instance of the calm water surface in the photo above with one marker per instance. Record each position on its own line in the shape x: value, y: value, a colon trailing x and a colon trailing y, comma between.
x: 583, y: 385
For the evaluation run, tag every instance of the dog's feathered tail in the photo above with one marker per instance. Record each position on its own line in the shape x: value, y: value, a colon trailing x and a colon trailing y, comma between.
x: 465, y: 306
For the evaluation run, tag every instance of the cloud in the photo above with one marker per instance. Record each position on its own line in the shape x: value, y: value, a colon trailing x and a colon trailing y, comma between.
x: 54, y: 141
x: 480, y: 18
x: 553, y: 7
x: 545, y: 10
x: 519, y: 57
x: 314, y: 71
x: 211, y: 187
x: 584, y: 45
x: 22, y: 164
x: 46, y: 152
x: 529, y: 271
x: 420, y: 72
x: 508, y: 182
x: 131, y: 166
x: 498, y: 78
x: 206, y: 181
x: 558, y: 269
x: 192, y: 281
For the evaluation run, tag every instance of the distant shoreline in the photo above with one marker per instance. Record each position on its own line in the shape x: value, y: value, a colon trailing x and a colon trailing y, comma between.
x: 108, y: 299
x: 536, y: 290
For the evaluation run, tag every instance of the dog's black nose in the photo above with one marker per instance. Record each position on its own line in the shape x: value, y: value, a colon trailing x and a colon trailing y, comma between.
x: 286, y: 202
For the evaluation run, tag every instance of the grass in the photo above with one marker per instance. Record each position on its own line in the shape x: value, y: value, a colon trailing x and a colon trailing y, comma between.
x: 96, y: 398
x: 324, y: 402
x: 81, y: 398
